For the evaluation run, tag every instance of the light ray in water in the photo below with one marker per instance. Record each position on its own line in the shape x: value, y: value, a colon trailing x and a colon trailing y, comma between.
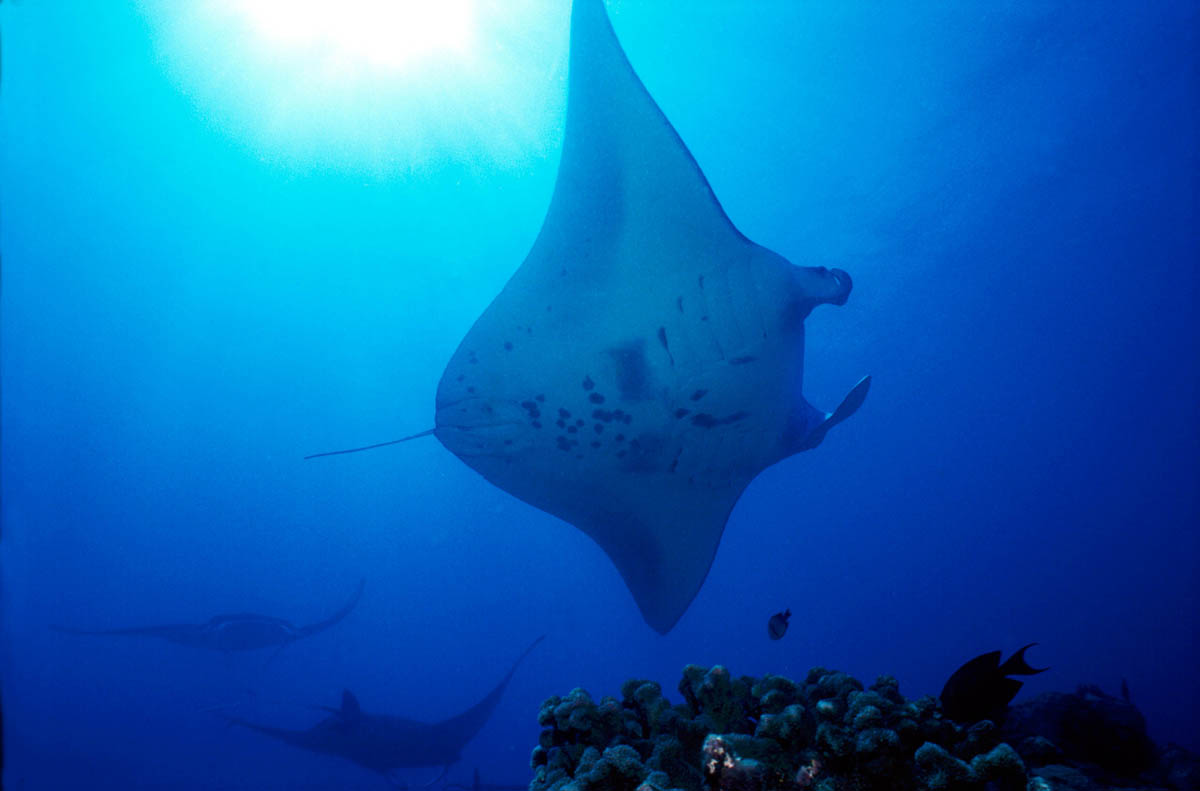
x: 372, y: 86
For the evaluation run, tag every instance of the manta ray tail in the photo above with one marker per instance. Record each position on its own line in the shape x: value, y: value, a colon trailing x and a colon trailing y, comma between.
x: 283, y: 734
x: 425, y: 433
x: 136, y: 631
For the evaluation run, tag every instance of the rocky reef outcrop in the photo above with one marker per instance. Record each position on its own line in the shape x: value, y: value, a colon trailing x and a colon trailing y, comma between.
x: 829, y: 732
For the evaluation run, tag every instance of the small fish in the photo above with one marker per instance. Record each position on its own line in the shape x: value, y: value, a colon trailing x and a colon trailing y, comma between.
x: 1125, y: 690
x: 981, y: 689
x: 778, y: 624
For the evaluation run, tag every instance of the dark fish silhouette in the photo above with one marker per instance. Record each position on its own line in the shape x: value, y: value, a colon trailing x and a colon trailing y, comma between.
x: 644, y: 363
x: 385, y: 743
x: 777, y: 624
x: 235, y: 632
x: 981, y: 689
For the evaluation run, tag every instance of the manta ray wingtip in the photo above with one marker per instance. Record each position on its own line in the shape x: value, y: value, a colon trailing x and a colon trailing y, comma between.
x: 849, y: 405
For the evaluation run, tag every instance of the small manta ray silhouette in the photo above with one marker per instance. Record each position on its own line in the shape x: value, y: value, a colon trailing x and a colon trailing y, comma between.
x: 777, y: 625
x: 386, y: 743
x: 981, y: 689
x: 235, y: 632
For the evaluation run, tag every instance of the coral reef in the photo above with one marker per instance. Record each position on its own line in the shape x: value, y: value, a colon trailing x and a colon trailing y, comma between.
x: 1090, y: 725
x: 830, y: 733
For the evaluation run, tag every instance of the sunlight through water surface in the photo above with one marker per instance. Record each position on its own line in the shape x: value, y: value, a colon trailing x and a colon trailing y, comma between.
x: 373, y: 85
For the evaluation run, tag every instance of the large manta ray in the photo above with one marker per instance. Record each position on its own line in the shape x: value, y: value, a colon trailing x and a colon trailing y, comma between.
x: 645, y: 362
x: 234, y: 632
x: 385, y: 743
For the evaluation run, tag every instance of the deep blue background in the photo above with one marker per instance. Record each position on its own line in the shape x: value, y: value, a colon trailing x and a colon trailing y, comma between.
x: 187, y: 311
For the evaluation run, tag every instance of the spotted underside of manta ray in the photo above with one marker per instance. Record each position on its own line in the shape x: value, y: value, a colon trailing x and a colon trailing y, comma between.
x: 645, y: 362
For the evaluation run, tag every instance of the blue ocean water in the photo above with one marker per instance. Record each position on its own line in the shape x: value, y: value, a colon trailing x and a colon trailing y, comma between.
x: 223, y: 251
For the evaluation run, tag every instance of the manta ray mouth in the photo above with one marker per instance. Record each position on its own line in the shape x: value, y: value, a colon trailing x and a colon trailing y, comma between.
x: 476, y: 426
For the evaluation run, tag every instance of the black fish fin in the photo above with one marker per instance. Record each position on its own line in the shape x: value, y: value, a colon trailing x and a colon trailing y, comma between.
x: 1016, y: 665
x: 1008, y: 689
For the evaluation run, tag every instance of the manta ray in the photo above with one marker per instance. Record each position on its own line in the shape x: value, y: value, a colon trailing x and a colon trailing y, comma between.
x: 234, y: 632
x: 385, y: 743
x: 644, y: 364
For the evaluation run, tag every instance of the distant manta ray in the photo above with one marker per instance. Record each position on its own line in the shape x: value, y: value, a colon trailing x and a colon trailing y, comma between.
x: 645, y: 363
x: 234, y: 632
x: 386, y: 743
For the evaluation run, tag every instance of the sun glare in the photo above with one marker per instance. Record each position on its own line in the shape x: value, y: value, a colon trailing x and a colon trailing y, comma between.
x: 388, y: 34
x: 373, y: 85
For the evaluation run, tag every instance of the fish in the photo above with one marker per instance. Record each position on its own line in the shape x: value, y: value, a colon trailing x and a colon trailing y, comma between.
x: 233, y: 632
x: 777, y: 624
x: 645, y: 362
x: 385, y: 743
x: 981, y: 689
